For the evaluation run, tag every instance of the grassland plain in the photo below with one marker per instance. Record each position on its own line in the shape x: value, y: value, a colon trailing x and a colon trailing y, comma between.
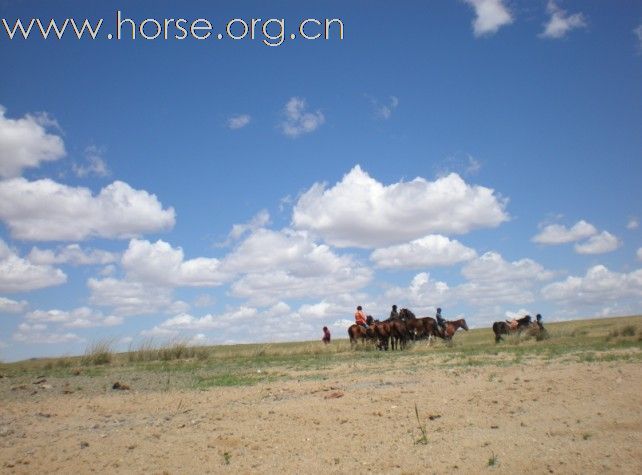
x: 571, y: 403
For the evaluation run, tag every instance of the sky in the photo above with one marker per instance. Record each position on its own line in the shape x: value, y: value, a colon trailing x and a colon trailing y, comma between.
x: 482, y: 156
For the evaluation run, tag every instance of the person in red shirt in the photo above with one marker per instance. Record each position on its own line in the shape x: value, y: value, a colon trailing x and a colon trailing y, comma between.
x: 360, y: 317
x: 326, y: 335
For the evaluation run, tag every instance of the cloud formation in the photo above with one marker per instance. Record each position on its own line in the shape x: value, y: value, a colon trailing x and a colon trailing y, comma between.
x: 12, y: 306
x: 490, y: 16
x: 82, y: 317
x: 238, y: 121
x: 20, y: 275
x: 127, y: 298
x: 298, y: 120
x: 362, y: 212
x: 428, y: 251
x: 44, y: 210
x: 560, y: 234
x: 26, y: 143
x: 638, y: 34
x: 598, y: 244
x: 560, y: 23
x: 159, y: 263
x: 38, y: 333
x: 384, y: 110
x: 94, y: 164
x: 71, y: 254
x: 286, y: 264
x: 598, y: 286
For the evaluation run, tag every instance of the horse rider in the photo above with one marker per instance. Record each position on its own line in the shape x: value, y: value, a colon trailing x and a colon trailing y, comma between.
x: 360, y: 317
x: 394, y: 314
x: 441, y: 321
x: 539, y: 321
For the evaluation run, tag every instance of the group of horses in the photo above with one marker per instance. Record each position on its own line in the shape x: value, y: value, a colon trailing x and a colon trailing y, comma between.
x: 397, y: 332
x: 517, y: 326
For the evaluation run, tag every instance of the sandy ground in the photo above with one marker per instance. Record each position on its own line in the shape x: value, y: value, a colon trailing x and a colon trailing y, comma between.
x: 532, y: 418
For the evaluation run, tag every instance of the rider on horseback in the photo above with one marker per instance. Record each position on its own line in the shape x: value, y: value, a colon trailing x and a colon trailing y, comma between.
x: 440, y: 320
x: 360, y: 317
x: 394, y: 314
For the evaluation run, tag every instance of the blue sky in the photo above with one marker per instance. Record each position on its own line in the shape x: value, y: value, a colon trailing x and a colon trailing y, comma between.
x: 482, y: 155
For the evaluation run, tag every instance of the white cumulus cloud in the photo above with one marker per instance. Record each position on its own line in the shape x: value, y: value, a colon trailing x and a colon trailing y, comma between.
x: 161, y: 264
x: 598, y: 244
x: 133, y: 298
x: 12, y: 306
x: 20, y: 275
x: 599, y: 286
x: 45, y: 210
x: 560, y: 234
x: 298, y: 120
x: 360, y: 211
x: 428, y: 251
x: 490, y: 16
x: 38, y: 333
x: 289, y: 264
x: 560, y: 22
x: 493, y: 280
x: 82, y: 317
x: 71, y: 254
x: 25, y: 143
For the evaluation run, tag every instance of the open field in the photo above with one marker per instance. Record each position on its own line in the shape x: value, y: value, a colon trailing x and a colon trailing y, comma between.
x: 569, y: 404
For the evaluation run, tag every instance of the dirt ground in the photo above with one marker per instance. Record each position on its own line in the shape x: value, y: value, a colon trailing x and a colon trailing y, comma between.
x: 533, y: 418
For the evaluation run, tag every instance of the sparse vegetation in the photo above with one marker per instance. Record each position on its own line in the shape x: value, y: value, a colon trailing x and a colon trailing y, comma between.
x: 422, y: 428
x: 98, y: 353
x: 492, y: 460
x: 176, y: 365
x: 628, y: 330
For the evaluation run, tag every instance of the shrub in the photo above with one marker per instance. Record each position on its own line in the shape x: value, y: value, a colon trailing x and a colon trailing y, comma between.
x: 98, y: 353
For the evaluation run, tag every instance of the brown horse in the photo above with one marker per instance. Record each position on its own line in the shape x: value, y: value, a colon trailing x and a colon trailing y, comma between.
x: 425, y: 327
x: 398, y: 334
x: 504, y: 328
x: 450, y: 327
x: 356, y: 333
x: 381, y: 332
x: 405, y: 314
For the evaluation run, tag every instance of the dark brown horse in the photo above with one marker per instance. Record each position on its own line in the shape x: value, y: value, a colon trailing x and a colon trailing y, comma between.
x: 425, y: 327
x: 398, y: 334
x: 405, y: 314
x: 505, y: 328
x: 381, y: 332
x: 451, y: 326
x: 356, y: 333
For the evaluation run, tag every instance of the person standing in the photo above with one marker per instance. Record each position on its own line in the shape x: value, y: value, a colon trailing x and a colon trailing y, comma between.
x: 326, y: 335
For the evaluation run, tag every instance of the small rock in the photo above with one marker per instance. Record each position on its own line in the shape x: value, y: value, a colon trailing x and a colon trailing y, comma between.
x: 84, y: 445
x: 121, y: 386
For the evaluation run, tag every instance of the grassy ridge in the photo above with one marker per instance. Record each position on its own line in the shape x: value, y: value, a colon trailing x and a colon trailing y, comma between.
x: 176, y: 365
